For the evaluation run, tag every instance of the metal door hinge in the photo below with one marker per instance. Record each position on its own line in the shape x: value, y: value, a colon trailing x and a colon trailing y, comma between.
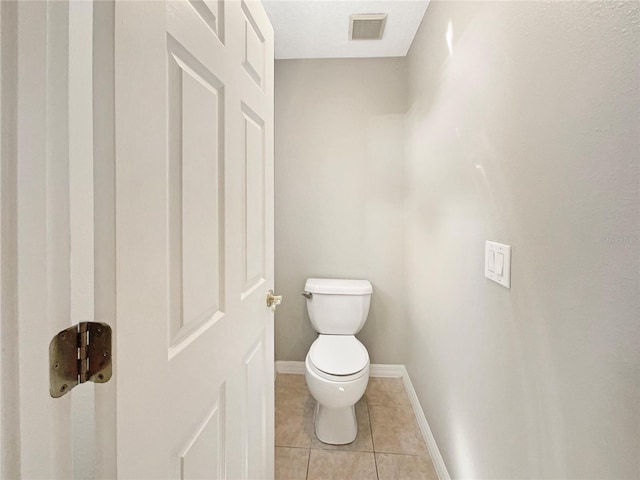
x: 79, y: 354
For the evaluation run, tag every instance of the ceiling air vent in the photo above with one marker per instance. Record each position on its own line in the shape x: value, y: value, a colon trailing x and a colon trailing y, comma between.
x: 367, y: 26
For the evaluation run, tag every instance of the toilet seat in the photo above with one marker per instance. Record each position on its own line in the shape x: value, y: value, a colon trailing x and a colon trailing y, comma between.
x: 339, y: 358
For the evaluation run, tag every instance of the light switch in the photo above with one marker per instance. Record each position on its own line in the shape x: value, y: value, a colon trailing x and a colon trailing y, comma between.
x: 491, y: 259
x: 497, y: 265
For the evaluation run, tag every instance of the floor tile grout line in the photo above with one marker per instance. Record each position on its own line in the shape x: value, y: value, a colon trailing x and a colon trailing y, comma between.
x: 308, y: 464
x: 405, y: 454
x: 339, y: 449
x: 373, y: 446
x: 313, y: 434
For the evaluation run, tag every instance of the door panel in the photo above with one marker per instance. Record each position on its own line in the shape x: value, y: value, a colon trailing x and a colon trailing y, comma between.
x: 212, y: 13
x: 204, y: 455
x: 254, y: 47
x: 253, y: 232
x: 255, y: 427
x: 194, y: 239
x: 196, y: 193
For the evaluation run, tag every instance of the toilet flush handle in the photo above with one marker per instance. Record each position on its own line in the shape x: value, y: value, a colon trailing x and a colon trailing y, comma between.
x: 307, y: 295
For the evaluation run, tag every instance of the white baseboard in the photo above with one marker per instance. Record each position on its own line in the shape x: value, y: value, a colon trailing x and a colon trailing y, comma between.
x: 391, y: 371
x: 434, y: 452
x: 396, y: 371
x: 296, y: 368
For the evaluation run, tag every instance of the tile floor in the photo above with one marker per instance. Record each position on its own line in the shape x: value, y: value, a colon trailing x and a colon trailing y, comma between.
x: 389, y: 445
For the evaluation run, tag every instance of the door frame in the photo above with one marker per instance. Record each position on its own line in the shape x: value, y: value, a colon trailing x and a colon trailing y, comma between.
x: 54, y: 156
x: 9, y: 397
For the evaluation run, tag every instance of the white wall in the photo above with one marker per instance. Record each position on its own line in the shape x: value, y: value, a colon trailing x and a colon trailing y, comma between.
x: 527, y: 134
x: 340, y: 192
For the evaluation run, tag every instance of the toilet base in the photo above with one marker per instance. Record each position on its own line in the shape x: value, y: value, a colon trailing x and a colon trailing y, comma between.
x: 336, y: 426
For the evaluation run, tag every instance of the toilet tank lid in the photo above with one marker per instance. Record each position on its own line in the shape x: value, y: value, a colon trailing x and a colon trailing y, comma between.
x: 334, y: 286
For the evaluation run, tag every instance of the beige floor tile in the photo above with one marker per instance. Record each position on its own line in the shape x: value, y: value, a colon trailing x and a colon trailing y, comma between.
x: 294, y: 426
x: 386, y: 391
x: 336, y: 465
x: 291, y: 387
x: 405, y: 467
x: 291, y: 463
x: 395, y: 430
x: 363, y: 442
x: 294, y: 413
x: 286, y: 380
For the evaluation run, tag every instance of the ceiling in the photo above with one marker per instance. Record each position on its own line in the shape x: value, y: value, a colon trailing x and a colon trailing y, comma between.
x: 320, y: 28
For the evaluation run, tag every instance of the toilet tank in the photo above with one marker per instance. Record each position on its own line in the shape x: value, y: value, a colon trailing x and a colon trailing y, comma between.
x: 336, y: 306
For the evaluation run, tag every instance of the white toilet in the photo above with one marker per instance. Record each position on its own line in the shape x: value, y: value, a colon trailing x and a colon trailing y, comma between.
x: 337, y: 365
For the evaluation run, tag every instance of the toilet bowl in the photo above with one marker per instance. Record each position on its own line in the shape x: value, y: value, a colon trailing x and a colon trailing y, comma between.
x: 335, y: 386
x: 337, y: 365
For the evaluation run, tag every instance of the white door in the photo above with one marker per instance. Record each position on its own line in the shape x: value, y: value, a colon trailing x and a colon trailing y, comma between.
x: 137, y: 189
x: 194, y: 239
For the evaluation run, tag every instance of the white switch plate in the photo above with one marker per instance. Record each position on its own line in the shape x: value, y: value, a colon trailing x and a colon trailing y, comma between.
x: 497, y: 263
